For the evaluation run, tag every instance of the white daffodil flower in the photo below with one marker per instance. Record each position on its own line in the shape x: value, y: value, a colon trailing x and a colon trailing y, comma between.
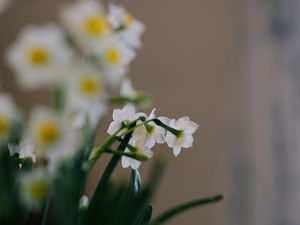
x: 125, y: 115
x: 86, y: 21
x: 25, y: 150
x: 140, y: 148
x: 128, y: 28
x: 115, y: 57
x: 127, y: 90
x: 185, y: 138
x: 34, y: 188
x: 8, y: 115
x: 85, y: 94
x: 50, y: 135
x: 40, y: 56
x: 155, y: 134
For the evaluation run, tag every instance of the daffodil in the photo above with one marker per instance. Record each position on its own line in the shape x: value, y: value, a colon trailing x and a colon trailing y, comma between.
x: 153, y: 133
x: 122, y: 116
x: 114, y: 57
x: 86, y: 21
x: 185, y: 139
x: 85, y: 96
x: 24, y: 150
x: 34, y: 188
x: 139, y: 145
x: 126, y: 26
x: 39, y: 57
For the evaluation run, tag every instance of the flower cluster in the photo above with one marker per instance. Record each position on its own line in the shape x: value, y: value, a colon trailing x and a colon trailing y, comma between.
x: 150, y: 130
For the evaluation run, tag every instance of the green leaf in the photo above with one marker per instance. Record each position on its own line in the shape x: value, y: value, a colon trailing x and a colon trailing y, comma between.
x: 145, y: 216
x: 185, y: 206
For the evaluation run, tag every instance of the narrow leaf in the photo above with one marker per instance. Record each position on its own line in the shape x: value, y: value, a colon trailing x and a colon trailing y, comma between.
x: 185, y: 206
x: 145, y: 217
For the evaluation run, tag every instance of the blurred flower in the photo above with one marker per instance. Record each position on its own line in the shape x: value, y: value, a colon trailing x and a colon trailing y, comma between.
x: 123, y: 116
x: 50, y: 135
x: 139, y: 148
x: 85, y: 96
x: 127, y: 90
x: 154, y: 133
x: 86, y: 21
x: 34, y: 188
x: 185, y: 138
x: 115, y: 57
x: 8, y: 116
x: 126, y: 26
x: 40, y: 56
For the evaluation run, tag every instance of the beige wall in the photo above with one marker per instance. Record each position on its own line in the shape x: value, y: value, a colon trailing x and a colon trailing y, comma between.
x: 188, y: 65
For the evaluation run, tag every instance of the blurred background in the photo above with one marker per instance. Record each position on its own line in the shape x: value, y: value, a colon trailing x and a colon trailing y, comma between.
x: 233, y: 67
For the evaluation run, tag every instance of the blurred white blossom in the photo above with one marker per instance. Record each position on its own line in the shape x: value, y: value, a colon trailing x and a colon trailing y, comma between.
x: 127, y: 90
x: 39, y: 56
x: 34, y: 188
x: 126, y: 26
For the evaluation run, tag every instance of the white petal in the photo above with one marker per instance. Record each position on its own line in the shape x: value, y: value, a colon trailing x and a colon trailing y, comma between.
x: 118, y: 115
x: 176, y: 150
x: 113, y: 127
x: 128, y: 111
x: 164, y: 120
x: 135, y: 164
x: 152, y: 114
x: 187, y: 125
x: 125, y: 162
x: 187, y: 141
x: 171, y: 139
x: 150, y: 142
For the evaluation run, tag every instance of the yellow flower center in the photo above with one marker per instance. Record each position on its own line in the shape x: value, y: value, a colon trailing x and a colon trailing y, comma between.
x: 48, y: 133
x: 96, y: 25
x: 4, y: 125
x: 39, y: 190
x: 128, y: 19
x: 38, y: 56
x: 113, y: 56
x: 91, y: 86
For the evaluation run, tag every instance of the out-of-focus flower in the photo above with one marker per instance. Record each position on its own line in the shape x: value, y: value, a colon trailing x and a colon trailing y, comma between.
x: 85, y: 96
x: 185, y: 138
x: 126, y: 26
x: 50, y: 135
x: 125, y: 115
x: 127, y: 90
x: 140, y: 148
x: 8, y: 116
x: 114, y: 58
x: 40, y: 56
x: 153, y: 133
x: 86, y: 22
x: 34, y: 188
x: 83, y: 202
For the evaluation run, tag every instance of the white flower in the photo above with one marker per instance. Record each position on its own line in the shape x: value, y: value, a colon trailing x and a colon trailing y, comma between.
x: 155, y: 134
x: 127, y: 90
x: 50, y: 135
x: 85, y: 96
x: 86, y: 22
x: 127, y: 27
x: 126, y: 115
x: 8, y: 116
x: 25, y: 150
x: 140, y: 148
x: 185, y: 138
x: 34, y: 188
x: 40, y: 56
x: 114, y: 58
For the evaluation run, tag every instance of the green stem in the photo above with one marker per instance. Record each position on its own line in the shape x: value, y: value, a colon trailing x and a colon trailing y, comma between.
x: 128, y: 154
x: 58, y: 98
x: 183, y: 207
x: 168, y: 128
